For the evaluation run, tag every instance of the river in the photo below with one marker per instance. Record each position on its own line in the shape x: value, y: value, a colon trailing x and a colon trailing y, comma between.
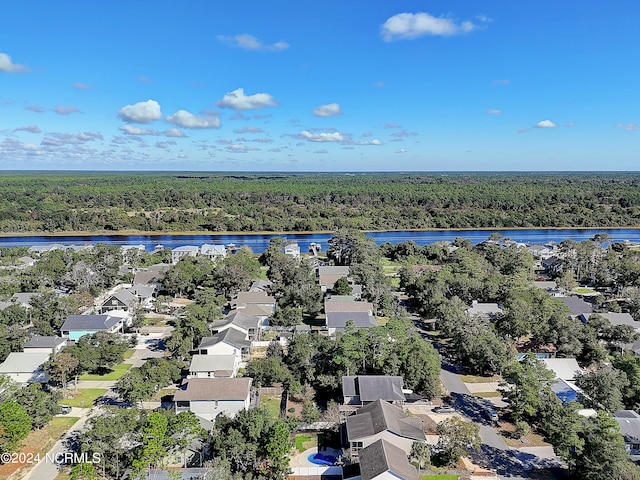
x: 258, y: 242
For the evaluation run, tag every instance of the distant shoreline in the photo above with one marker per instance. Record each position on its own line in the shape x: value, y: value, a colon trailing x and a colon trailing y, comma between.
x: 127, y: 233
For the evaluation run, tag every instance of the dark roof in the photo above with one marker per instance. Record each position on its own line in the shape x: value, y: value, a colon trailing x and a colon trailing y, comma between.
x: 230, y: 335
x: 40, y: 341
x: 576, y: 305
x: 236, y: 317
x: 381, y: 457
x: 629, y: 422
x: 374, y: 387
x: 359, y: 319
x: 89, y: 322
x: 214, y: 389
x: 379, y: 416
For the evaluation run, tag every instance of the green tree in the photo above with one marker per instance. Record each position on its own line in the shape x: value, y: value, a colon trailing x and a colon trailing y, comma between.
x: 529, y: 379
x: 420, y: 455
x: 603, y: 454
x: 456, y: 437
x: 341, y: 287
x: 153, y: 450
x: 40, y: 404
x: 15, y: 425
x: 604, y: 387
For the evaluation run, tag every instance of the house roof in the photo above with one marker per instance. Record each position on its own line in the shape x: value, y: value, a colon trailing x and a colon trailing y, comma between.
x: 576, y: 305
x: 564, y: 391
x: 333, y: 270
x: 89, y: 322
x: 373, y: 387
x: 359, y: 319
x: 564, y: 368
x: 329, y: 279
x: 214, y: 389
x: 124, y: 296
x: 338, y: 306
x: 20, y: 362
x: 142, y: 290
x: 44, y: 341
x: 212, y: 363
x: 260, y: 285
x: 629, y: 422
x: 253, y: 309
x: 379, y: 416
x: 253, y: 297
x: 187, y: 248
x: 231, y: 336
x: 237, y: 318
x: 24, y: 297
x: 621, y: 319
x: 340, y: 298
x: 146, y: 277
x: 382, y: 456
x: 484, y: 309
x: 211, y: 249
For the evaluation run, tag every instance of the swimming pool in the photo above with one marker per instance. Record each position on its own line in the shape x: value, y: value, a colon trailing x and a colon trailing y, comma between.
x: 322, y: 459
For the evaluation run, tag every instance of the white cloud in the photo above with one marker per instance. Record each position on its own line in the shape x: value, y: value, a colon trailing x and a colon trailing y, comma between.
x: 375, y: 141
x: 320, y: 137
x: 184, y: 119
x: 494, y: 111
x: 414, y: 25
x: 174, y: 132
x: 29, y: 128
x: 403, y: 133
x: 248, y: 130
x: 131, y: 130
x: 6, y: 65
x: 66, y: 110
x: 237, y: 100
x: 249, y: 42
x: 59, y: 139
x: 629, y: 127
x: 35, y: 108
x: 402, y: 150
x: 141, y: 112
x: 545, y: 124
x: 165, y: 144
x: 81, y: 86
x: 328, y: 110
x: 237, y: 148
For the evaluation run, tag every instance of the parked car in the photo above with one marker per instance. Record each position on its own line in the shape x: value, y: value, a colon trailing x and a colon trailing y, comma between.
x: 444, y: 409
x: 65, y: 409
x: 493, y: 415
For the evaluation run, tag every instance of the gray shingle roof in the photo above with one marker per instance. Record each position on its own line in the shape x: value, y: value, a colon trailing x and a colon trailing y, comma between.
x: 89, y: 322
x: 19, y: 362
x: 379, y: 416
x: 381, y: 457
x: 374, y: 387
x: 42, y: 341
x: 214, y: 389
x: 230, y: 336
x: 576, y: 305
x: 212, y: 363
x: 359, y: 319
x: 236, y: 317
x: 629, y: 422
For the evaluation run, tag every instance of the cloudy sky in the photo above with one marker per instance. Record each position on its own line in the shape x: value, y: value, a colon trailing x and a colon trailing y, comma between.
x: 356, y: 85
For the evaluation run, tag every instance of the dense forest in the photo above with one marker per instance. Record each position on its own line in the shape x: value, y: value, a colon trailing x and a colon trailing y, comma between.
x: 95, y: 202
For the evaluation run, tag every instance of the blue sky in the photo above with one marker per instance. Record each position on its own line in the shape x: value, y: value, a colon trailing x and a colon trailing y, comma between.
x: 319, y: 86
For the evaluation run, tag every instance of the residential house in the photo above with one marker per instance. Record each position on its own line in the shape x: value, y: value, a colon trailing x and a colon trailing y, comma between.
x: 23, y: 299
x: 249, y: 325
x: 226, y: 342
x: 420, y: 269
x: 292, y: 249
x: 25, y: 367
x: 576, y: 305
x: 364, y: 389
x: 75, y: 326
x: 487, y: 311
x: 186, y: 251
x: 213, y: 252
x: 261, y: 286
x: 541, y: 252
x: 144, y: 293
x: 123, y: 300
x: 629, y: 422
x: 261, y: 299
x: 213, y: 366
x: 564, y: 368
x: 551, y: 264
x: 382, y: 460
x: 328, y: 275
x: 339, y: 311
x: 382, y: 421
x: 614, y: 318
x: 209, y: 397
x: 45, y: 344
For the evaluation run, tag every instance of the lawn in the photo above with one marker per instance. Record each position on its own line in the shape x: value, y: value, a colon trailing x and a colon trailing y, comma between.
x: 304, y: 442
x: 444, y: 476
x: 85, y: 399
x: 116, y: 374
x: 478, y: 379
x: 129, y: 353
x: 488, y: 394
x: 40, y: 441
x: 272, y: 402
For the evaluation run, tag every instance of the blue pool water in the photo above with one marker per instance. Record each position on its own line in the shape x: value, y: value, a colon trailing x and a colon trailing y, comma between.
x: 322, y: 459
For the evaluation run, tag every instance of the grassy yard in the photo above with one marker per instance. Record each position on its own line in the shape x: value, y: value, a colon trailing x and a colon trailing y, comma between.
x: 129, y: 353
x: 39, y: 441
x: 303, y: 442
x: 478, y: 379
x: 488, y: 394
x: 272, y: 402
x: 116, y: 374
x: 86, y: 397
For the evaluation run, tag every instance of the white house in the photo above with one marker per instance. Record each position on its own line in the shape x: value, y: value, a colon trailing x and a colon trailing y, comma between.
x: 213, y: 252
x: 213, y: 366
x: 292, y: 249
x: 185, y: 251
x: 25, y: 367
x: 209, y: 397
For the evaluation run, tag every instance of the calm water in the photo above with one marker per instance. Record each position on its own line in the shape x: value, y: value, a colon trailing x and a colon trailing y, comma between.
x: 258, y: 243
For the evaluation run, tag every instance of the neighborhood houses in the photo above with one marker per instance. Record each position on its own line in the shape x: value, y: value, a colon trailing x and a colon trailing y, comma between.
x: 355, y: 361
